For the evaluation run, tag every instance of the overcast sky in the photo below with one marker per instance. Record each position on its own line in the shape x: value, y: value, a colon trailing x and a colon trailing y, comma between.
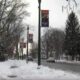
x: 57, y: 18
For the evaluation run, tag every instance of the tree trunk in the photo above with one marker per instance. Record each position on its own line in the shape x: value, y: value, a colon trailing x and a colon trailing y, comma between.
x: 47, y: 56
x: 72, y: 57
x: 17, y: 54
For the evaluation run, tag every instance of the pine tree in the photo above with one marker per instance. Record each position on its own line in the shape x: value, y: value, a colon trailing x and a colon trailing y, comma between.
x: 71, y: 38
x: 78, y: 45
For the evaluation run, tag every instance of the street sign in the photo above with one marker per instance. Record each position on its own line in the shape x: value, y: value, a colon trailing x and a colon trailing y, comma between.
x: 30, y: 38
x: 45, y: 18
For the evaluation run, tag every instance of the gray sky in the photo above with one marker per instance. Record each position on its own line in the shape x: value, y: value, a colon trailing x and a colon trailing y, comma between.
x: 57, y: 18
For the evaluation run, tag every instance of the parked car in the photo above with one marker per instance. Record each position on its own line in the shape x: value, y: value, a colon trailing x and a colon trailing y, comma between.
x: 51, y: 59
x: 30, y: 58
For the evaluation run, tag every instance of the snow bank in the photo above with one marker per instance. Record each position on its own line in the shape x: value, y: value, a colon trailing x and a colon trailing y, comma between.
x: 30, y: 71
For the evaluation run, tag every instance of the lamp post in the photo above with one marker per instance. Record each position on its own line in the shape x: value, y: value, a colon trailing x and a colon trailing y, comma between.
x: 39, y: 34
x: 27, y: 41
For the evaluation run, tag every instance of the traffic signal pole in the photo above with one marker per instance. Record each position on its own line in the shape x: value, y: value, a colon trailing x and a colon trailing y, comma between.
x: 39, y: 34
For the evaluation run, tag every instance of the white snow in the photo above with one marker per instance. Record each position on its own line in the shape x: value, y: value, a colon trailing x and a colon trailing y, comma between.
x: 29, y: 71
x: 68, y: 61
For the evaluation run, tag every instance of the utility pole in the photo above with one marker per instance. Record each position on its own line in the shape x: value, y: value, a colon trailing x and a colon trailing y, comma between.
x: 39, y: 34
x: 27, y: 41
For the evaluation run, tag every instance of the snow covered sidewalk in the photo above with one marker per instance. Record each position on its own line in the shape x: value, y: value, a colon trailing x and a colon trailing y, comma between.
x: 24, y: 71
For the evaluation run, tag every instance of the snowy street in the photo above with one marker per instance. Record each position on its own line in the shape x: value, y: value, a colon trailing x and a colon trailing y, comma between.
x: 70, y: 66
x: 20, y: 70
x: 39, y: 39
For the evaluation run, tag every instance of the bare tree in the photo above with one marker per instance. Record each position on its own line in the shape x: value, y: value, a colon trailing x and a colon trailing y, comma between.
x: 12, y: 13
x: 52, y: 42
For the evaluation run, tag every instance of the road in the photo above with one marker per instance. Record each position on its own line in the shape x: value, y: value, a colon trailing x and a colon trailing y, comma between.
x: 75, y: 68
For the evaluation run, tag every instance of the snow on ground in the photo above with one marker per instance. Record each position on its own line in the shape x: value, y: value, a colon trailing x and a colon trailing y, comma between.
x: 29, y: 71
x: 69, y: 61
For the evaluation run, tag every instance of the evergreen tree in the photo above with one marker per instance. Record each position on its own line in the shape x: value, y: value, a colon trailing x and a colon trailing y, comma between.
x: 71, y: 38
x: 78, y: 45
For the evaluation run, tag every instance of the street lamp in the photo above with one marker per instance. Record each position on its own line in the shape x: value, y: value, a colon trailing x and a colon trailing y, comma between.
x: 39, y: 34
x: 27, y: 41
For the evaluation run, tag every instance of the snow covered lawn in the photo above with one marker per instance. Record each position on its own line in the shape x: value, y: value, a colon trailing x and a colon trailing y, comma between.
x: 29, y: 71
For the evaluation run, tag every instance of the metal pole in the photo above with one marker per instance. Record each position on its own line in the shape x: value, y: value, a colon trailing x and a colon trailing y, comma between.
x: 27, y: 41
x: 39, y: 34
